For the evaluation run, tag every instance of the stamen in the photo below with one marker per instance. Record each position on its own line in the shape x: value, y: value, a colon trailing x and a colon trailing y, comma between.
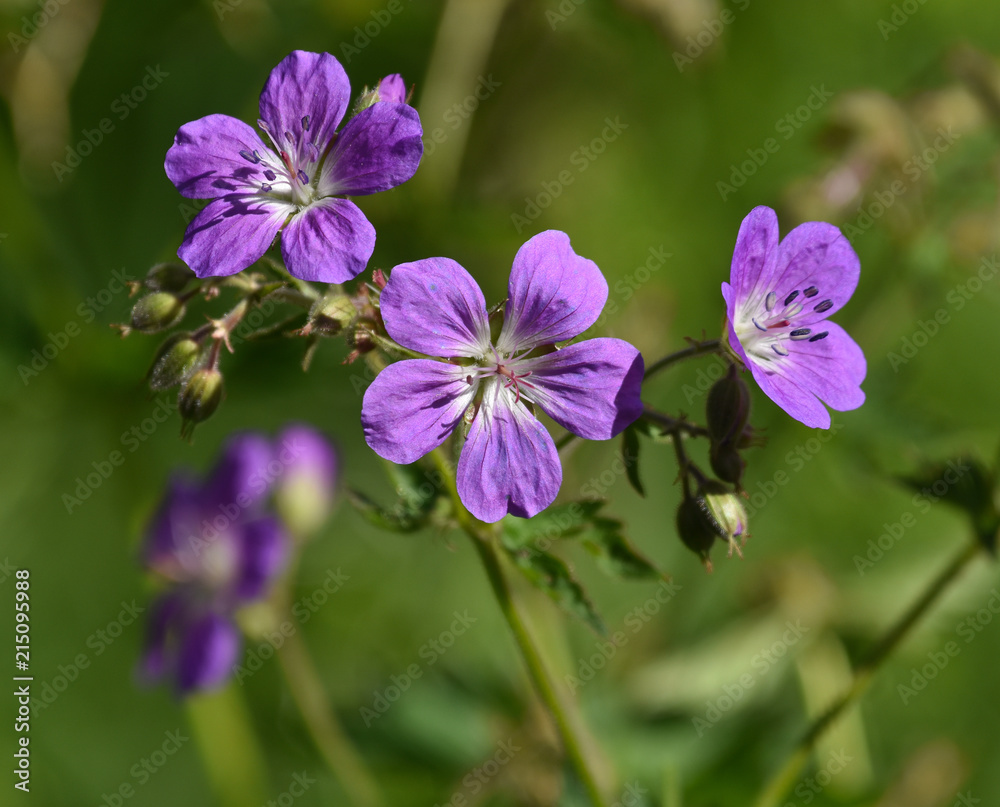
x: 289, y: 138
x: 812, y: 291
x: 305, y: 123
x: 302, y: 177
x: 826, y: 305
x: 792, y: 310
x: 817, y: 337
x: 769, y: 300
x: 266, y: 187
x: 270, y: 176
x: 799, y: 333
x: 759, y: 326
x: 779, y: 349
x: 250, y: 158
x: 790, y: 297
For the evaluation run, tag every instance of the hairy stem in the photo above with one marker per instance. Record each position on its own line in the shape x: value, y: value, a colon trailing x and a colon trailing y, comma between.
x: 696, y: 349
x: 573, y: 734
x: 785, y: 778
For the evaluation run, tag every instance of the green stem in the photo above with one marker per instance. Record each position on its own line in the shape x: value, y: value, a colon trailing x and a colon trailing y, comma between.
x: 782, y: 781
x: 571, y: 731
x: 303, y: 288
x: 696, y: 349
x: 334, y: 746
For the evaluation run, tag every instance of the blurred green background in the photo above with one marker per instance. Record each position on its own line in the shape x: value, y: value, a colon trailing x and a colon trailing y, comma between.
x: 691, y: 86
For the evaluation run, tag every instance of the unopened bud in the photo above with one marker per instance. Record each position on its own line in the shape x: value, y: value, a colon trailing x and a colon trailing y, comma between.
x: 174, y: 361
x: 330, y: 315
x: 304, y: 493
x: 726, y: 462
x: 156, y: 311
x: 200, y: 396
x: 726, y: 510
x: 728, y: 406
x: 168, y: 277
x: 696, y: 529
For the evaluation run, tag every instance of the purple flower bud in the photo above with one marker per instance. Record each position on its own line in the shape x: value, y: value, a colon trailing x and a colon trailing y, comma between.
x: 305, y: 490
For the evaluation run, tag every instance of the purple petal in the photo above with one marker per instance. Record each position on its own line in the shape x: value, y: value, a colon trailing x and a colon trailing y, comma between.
x: 412, y: 406
x: 178, y: 514
x: 509, y: 463
x: 208, y: 649
x: 155, y: 660
x: 304, y: 100
x: 553, y: 294
x: 830, y: 370
x: 206, y: 160
x: 435, y: 307
x: 328, y: 242
x: 591, y: 388
x: 378, y: 149
x: 755, y: 255
x: 819, y: 263
x: 230, y: 234
x: 392, y: 89
x: 263, y: 548
x: 241, y: 477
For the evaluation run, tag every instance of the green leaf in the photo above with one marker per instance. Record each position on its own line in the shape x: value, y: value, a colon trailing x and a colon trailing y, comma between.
x: 630, y: 456
x: 399, y: 520
x: 561, y: 521
x: 615, y: 555
x: 551, y: 575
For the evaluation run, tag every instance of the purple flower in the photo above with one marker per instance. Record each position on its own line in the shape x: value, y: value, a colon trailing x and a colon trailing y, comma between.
x: 509, y: 462
x: 777, y: 302
x: 294, y: 184
x: 304, y: 492
x: 220, y: 549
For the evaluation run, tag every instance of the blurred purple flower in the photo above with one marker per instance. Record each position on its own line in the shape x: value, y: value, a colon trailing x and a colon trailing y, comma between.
x: 304, y: 493
x: 220, y: 548
x: 777, y: 302
x: 295, y: 186
x: 509, y: 463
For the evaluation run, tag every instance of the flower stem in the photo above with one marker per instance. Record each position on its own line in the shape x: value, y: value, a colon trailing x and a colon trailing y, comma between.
x: 576, y: 741
x: 785, y: 778
x: 696, y: 349
x: 334, y: 746
x: 305, y: 289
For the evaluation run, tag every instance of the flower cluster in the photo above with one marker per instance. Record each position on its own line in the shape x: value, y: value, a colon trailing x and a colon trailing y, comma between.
x: 509, y: 462
x: 220, y: 545
x: 295, y: 184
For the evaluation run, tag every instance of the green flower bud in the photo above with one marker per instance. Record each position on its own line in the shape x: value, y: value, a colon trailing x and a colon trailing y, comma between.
x: 174, y: 361
x: 726, y: 510
x: 156, y: 311
x: 728, y: 406
x: 330, y: 315
x: 168, y: 277
x: 696, y: 529
x: 200, y: 397
x: 726, y: 462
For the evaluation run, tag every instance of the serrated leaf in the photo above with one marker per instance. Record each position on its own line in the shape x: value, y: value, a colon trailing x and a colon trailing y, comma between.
x: 399, y: 520
x: 561, y: 521
x: 630, y: 456
x: 615, y: 555
x: 549, y: 574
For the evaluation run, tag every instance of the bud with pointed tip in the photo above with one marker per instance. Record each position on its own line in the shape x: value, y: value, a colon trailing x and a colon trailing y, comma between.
x: 696, y: 529
x: 728, y: 407
x: 200, y: 397
x: 726, y: 510
x: 156, y: 311
x: 331, y: 314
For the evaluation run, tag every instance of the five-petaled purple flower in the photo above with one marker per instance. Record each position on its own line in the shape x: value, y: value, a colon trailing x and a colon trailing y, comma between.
x: 777, y: 302
x: 509, y: 463
x: 220, y: 547
x: 295, y: 184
